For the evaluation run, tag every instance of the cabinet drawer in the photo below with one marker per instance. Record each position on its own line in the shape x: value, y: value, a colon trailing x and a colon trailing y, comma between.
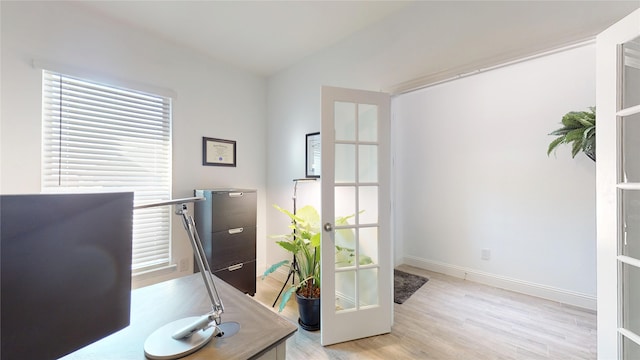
x: 242, y: 276
x: 226, y: 209
x: 232, y: 246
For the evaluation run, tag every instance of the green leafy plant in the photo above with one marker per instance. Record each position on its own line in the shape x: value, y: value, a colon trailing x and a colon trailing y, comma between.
x: 304, y: 243
x: 579, y: 130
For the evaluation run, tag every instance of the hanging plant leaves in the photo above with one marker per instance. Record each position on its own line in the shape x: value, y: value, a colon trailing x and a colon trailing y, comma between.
x: 579, y: 130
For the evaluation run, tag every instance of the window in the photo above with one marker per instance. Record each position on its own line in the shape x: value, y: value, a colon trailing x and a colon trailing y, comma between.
x: 101, y: 138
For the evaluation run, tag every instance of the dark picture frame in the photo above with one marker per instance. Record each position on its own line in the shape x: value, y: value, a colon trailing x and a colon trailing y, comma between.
x: 218, y: 152
x: 312, y: 155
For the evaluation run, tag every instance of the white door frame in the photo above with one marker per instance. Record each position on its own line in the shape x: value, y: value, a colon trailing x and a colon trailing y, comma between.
x: 607, y: 179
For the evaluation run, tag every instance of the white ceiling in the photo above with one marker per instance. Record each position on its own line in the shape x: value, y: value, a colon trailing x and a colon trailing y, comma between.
x: 260, y: 36
x: 265, y: 37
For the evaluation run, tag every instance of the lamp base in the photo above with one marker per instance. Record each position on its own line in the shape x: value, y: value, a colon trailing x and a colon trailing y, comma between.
x: 229, y: 329
x: 160, y: 344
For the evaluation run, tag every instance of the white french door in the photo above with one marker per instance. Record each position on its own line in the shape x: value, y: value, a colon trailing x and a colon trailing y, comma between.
x: 356, y: 299
x: 618, y: 187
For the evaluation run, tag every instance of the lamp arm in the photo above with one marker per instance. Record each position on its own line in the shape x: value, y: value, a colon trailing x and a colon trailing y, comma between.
x: 203, y: 264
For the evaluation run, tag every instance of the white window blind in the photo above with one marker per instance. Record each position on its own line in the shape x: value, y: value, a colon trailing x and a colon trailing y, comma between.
x: 100, y: 138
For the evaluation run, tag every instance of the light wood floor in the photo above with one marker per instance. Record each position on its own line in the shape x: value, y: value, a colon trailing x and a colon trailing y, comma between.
x: 449, y: 318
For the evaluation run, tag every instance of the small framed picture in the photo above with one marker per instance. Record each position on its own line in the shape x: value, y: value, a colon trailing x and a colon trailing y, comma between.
x: 218, y: 152
x: 312, y: 162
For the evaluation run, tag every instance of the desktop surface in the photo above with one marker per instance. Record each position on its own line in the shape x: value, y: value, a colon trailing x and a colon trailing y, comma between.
x: 154, y: 306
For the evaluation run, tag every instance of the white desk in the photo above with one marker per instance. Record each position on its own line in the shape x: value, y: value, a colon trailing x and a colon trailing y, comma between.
x: 262, y: 334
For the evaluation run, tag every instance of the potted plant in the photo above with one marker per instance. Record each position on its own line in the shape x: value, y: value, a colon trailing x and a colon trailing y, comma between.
x: 579, y: 129
x: 303, y: 242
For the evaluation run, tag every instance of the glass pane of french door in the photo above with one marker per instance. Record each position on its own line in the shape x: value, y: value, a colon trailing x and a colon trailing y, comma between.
x: 631, y: 350
x: 631, y: 73
x: 630, y: 132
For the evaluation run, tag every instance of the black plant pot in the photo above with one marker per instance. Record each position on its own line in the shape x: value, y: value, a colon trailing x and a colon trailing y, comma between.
x: 309, y: 310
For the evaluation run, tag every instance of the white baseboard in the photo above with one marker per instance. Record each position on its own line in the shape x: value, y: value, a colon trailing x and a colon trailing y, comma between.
x: 542, y: 291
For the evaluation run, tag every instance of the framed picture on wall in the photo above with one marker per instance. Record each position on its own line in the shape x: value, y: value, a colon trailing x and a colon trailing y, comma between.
x: 218, y: 152
x: 313, y: 155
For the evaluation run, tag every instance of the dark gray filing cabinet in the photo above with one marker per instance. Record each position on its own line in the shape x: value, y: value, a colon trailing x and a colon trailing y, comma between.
x: 226, y: 223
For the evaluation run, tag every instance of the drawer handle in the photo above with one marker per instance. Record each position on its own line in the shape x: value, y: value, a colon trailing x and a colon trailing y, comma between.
x: 235, y: 267
x: 236, y: 194
x: 236, y: 231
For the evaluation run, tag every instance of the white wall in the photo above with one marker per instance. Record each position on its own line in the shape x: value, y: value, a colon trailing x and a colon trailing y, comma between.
x: 473, y: 174
x: 217, y: 100
x: 364, y: 61
x: 212, y: 100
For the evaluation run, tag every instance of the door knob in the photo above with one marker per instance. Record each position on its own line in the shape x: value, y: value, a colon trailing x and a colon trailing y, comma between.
x: 328, y: 227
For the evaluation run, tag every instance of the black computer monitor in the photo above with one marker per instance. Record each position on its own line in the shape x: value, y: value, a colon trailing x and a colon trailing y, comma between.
x: 65, y: 269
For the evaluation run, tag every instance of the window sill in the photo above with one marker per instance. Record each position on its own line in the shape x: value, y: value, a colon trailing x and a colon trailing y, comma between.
x: 144, y: 278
